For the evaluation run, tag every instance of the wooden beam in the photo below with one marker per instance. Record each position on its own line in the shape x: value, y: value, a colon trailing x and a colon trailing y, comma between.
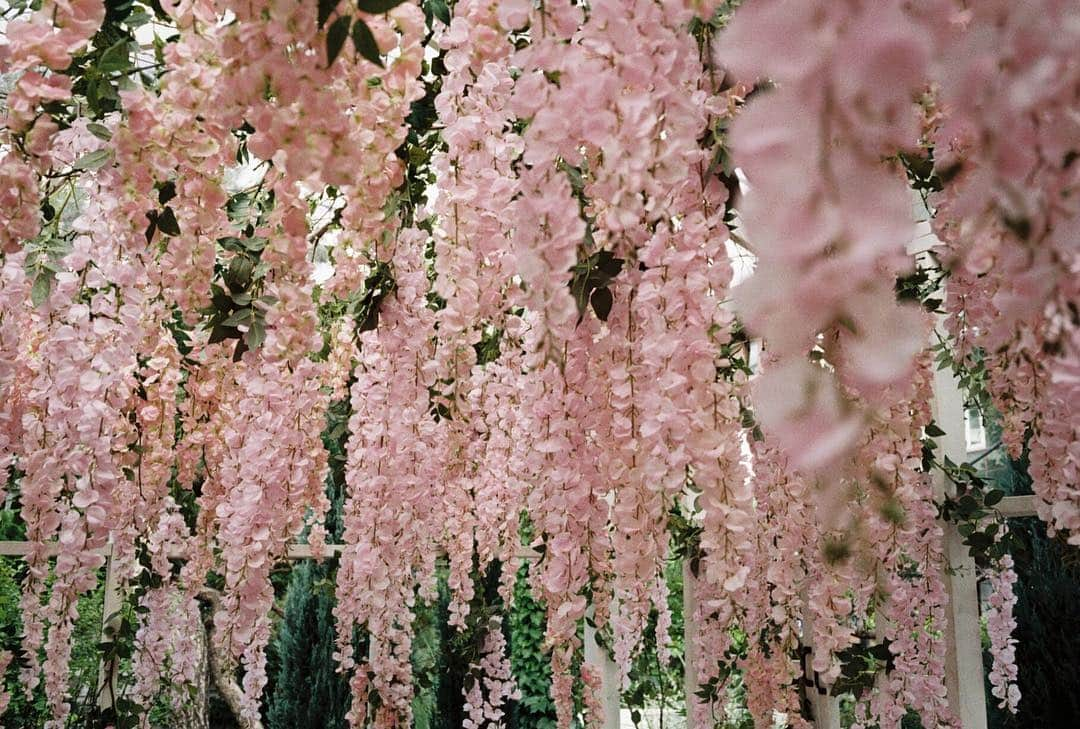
x: 598, y: 658
x: 691, y: 639
x: 824, y: 707
x: 963, y: 647
x: 22, y: 549
x: 299, y: 550
x: 113, y: 601
x: 1017, y: 506
x: 295, y: 550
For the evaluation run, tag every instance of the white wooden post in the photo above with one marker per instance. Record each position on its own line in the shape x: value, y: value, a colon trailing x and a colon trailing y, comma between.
x: 110, y: 623
x: 963, y: 655
x: 825, y: 707
x: 690, y: 639
x: 609, y: 674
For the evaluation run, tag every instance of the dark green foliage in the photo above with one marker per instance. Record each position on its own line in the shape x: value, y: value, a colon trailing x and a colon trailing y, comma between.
x: 377, y: 6
x: 1047, y: 607
x: 655, y: 683
x: 530, y: 663
x: 462, y: 648
x: 922, y: 286
x: 378, y: 285
x: 32, y: 712
x: 450, y: 667
x: 308, y: 692
x: 427, y: 660
x: 590, y: 281
x: 305, y: 689
x: 1048, y: 631
x: 978, y: 490
x: 237, y: 298
x: 326, y: 7
x: 488, y: 348
x: 362, y: 38
x: 364, y: 43
x: 335, y: 37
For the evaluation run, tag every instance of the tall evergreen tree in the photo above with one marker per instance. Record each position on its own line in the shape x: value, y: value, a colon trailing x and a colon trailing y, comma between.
x: 308, y: 692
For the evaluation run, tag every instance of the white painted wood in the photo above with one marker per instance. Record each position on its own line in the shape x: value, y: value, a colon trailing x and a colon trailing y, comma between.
x: 22, y: 549
x: 609, y: 674
x: 691, y: 647
x: 1016, y: 506
x: 825, y: 708
x: 295, y: 551
x: 110, y: 622
x: 963, y: 656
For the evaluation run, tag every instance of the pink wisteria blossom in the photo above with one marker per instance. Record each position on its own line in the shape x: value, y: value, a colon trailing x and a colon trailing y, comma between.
x: 504, y: 244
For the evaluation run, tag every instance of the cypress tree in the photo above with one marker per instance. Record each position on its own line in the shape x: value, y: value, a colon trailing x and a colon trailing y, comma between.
x: 308, y: 692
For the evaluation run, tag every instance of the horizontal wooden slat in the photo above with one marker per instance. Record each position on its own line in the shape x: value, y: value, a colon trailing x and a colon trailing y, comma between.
x: 296, y: 550
x: 303, y: 551
x: 21, y: 549
x: 1017, y: 506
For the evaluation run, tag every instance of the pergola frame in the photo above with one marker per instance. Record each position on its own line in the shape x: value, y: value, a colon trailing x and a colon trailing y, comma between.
x: 963, y: 667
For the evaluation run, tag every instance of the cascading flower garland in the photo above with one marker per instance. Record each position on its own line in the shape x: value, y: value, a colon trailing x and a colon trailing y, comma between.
x: 1000, y: 625
x: 501, y: 230
x: 491, y: 683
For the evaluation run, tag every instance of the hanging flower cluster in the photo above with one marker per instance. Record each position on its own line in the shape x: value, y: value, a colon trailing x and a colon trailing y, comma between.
x: 1004, y: 135
x: 503, y: 232
x: 828, y: 251
x: 396, y: 452
x: 1000, y: 624
x: 173, y: 621
x: 491, y: 682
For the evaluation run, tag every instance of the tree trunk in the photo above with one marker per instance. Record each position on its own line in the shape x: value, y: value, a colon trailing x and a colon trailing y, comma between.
x: 220, y: 663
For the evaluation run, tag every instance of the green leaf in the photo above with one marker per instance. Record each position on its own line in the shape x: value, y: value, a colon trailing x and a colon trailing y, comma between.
x: 137, y: 18
x: 609, y: 264
x: 221, y: 333
x: 364, y: 43
x: 377, y: 6
x: 933, y: 430
x: 231, y: 243
x: 92, y: 160
x: 601, y: 301
x: 335, y: 38
x: 115, y: 58
x: 240, y: 316
x: 439, y: 9
x: 255, y: 244
x: 238, y: 275
x: 166, y: 192
x: 994, y: 497
x: 967, y: 505
x: 41, y: 288
x: 99, y: 130
x: 166, y: 222
x: 239, y: 208
x: 256, y: 334
x: 325, y: 8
